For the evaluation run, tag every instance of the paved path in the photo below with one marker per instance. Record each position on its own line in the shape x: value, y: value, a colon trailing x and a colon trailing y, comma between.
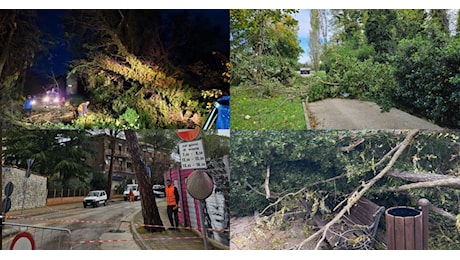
x: 355, y: 114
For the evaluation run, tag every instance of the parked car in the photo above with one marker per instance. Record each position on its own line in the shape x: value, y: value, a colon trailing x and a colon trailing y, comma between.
x: 159, y: 190
x: 95, y: 198
x: 135, y: 188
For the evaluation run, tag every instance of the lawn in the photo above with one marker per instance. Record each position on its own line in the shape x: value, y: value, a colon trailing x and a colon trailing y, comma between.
x: 283, y: 112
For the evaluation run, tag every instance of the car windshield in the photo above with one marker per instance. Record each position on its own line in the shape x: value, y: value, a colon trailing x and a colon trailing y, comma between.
x: 93, y: 193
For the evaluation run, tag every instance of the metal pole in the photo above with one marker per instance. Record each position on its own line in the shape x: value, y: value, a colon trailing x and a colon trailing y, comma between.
x: 203, y: 228
x: 1, y: 230
x: 29, y: 164
x: 181, y: 201
x: 24, y: 195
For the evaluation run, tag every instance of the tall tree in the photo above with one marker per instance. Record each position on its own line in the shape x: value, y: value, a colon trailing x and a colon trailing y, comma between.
x: 324, y: 17
x: 380, y: 32
x: 349, y: 26
x: 113, y: 134
x: 57, y: 154
x: 457, y: 28
x: 314, y: 39
x: 438, y: 17
x: 19, y: 44
x: 163, y: 141
x: 409, y: 23
x: 264, y: 45
x: 122, y: 74
x: 152, y: 218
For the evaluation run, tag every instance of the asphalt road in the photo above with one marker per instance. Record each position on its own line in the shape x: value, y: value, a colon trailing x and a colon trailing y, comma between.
x: 87, y: 225
x: 355, y: 114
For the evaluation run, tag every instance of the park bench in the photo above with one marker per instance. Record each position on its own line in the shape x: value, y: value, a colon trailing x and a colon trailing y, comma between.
x: 356, y: 229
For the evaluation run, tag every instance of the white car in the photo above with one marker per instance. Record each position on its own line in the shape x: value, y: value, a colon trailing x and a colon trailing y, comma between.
x: 95, y: 198
x: 159, y: 190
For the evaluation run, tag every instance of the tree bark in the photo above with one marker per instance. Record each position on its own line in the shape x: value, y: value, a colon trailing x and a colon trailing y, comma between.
x: 419, y: 176
x: 267, y: 183
x: 113, y: 134
x: 360, y: 191
x: 152, y: 218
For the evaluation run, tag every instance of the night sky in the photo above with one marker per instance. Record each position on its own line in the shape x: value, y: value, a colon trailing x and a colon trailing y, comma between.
x: 58, y: 56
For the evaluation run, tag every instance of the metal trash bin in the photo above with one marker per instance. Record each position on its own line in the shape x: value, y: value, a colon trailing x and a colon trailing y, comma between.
x: 404, y: 228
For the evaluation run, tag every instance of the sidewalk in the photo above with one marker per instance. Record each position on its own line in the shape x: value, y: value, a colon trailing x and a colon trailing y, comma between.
x: 182, y: 239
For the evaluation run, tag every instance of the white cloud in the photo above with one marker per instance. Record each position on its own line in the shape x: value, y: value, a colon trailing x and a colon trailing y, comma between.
x: 304, y: 22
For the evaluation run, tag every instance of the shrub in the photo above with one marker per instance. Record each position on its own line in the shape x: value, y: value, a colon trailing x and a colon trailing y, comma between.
x: 429, y: 79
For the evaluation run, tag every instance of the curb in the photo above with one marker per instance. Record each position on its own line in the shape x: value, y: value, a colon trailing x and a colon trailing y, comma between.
x: 137, y: 237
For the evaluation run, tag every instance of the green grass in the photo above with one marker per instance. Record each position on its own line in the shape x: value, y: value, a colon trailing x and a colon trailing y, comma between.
x: 283, y: 112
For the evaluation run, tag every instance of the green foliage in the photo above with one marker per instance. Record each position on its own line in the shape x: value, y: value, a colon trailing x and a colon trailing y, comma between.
x: 58, y: 154
x: 380, y: 30
x: 99, y: 181
x: 366, y: 79
x: 307, y: 159
x: 129, y: 119
x: 244, y: 202
x: 263, y: 46
x: 319, y: 91
x: 428, y: 77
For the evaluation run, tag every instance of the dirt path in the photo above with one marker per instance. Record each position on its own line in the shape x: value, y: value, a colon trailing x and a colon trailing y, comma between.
x: 355, y: 114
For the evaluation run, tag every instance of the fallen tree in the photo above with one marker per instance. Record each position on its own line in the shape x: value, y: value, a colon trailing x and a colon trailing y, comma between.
x: 361, y: 190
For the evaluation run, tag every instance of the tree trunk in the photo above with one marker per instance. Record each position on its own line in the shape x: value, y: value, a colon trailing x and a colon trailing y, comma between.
x: 424, y: 180
x: 152, y: 218
x: 6, y: 48
x: 113, y: 135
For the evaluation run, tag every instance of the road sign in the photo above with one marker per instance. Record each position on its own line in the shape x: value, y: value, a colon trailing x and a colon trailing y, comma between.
x: 187, y: 134
x: 6, y: 205
x: 29, y: 163
x: 23, y: 241
x: 192, y: 155
x: 9, y: 189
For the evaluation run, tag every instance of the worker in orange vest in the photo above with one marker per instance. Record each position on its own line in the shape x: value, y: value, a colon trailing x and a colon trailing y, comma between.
x: 172, y: 203
x: 131, y: 195
x: 83, y: 108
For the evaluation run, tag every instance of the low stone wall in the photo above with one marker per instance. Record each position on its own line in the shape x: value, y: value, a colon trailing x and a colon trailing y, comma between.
x: 32, y: 191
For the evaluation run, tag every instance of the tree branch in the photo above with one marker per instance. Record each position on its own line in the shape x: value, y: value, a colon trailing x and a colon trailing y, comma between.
x: 267, y: 182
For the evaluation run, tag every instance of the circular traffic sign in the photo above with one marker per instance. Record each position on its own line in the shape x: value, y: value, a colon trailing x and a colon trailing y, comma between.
x: 23, y: 241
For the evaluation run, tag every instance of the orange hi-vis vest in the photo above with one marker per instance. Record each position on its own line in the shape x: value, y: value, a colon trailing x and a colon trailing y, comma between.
x: 170, y: 197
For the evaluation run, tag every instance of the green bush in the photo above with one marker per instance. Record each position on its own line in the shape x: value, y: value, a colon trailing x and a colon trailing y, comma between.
x: 428, y: 75
x: 361, y: 79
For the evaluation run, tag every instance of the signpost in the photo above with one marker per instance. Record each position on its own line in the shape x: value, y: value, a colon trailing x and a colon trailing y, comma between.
x: 29, y: 164
x: 192, y: 155
x: 6, y: 206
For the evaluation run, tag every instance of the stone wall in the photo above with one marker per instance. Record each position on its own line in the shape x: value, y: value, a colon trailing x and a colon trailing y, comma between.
x: 34, y: 186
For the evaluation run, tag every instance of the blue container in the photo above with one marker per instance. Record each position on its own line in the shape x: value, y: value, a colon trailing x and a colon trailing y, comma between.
x: 223, y: 114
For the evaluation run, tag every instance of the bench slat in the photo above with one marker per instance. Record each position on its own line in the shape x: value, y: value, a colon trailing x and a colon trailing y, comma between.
x: 362, y: 219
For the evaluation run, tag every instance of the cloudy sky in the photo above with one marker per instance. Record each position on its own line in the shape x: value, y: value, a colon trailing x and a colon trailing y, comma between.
x: 304, y: 30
